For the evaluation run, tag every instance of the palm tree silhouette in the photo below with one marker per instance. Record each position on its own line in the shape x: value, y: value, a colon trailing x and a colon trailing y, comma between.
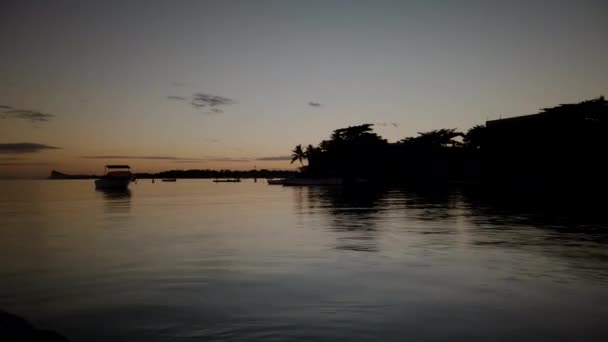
x: 310, y: 150
x: 298, y: 154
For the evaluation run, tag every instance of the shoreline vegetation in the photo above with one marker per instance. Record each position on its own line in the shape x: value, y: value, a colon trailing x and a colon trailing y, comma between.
x: 192, y: 174
x: 562, y: 146
x: 559, y: 148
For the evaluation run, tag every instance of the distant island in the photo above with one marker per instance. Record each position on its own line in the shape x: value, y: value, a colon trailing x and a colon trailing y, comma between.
x: 60, y: 175
x: 193, y: 174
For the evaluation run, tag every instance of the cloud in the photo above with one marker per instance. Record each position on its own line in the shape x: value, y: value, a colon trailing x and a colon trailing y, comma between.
x: 228, y: 159
x: 206, y: 103
x: 385, y: 124
x: 171, y: 158
x: 178, y: 98
x: 3, y: 159
x: 213, y: 102
x: 25, y: 114
x: 217, y: 159
x: 168, y: 158
x: 212, y: 140
x: 23, y: 164
x: 274, y: 158
x: 24, y: 147
x: 314, y: 104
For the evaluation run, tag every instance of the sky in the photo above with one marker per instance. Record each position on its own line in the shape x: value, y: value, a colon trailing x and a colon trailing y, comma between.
x: 237, y: 84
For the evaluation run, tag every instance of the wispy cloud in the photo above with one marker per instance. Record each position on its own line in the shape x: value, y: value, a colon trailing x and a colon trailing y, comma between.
x: 23, y: 164
x: 8, y: 112
x: 214, y: 159
x: 385, y: 124
x: 314, y: 104
x: 211, y: 102
x: 274, y: 158
x: 206, y: 103
x: 178, y: 98
x: 24, y: 147
x: 228, y: 159
x: 212, y: 140
x: 170, y: 158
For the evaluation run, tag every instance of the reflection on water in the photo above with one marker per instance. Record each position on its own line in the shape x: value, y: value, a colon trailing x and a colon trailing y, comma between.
x: 573, y: 229
x: 352, y: 214
x: 198, y: 260
x: 116, y: 201
x: 110, y: 194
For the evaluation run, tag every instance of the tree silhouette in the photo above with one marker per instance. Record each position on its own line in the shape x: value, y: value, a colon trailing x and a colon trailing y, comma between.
x: 350, y: 152
x: 311, y: 152
x: 436, y: 138
x: 298, y: 154
x: 563, y: 142
x: 475, y: 137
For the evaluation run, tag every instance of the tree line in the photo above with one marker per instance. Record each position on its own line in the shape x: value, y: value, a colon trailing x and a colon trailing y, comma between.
x: 495, y: 150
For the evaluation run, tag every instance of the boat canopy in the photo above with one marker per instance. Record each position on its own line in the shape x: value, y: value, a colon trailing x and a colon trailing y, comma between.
x: 118, y: 167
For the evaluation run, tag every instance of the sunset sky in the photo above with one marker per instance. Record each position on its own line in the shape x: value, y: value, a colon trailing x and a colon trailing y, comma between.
x: 232, y: 84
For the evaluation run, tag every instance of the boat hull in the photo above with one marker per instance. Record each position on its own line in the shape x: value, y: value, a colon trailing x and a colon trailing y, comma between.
x: 112, y: 183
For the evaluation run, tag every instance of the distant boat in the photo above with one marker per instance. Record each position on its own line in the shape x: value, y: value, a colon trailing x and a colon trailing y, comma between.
x: 275, y: 181
x: 234, y: 180
x: 116, y: 177
x: 169, y: 180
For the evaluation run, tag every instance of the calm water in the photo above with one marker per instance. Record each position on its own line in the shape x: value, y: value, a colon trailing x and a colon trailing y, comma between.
x: 195, y: 260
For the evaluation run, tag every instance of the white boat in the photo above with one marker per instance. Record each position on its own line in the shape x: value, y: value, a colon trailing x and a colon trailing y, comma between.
x: 275, y: 181
x: 116, y: 177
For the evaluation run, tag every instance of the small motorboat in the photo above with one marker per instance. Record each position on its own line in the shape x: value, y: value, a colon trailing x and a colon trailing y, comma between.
x: 228, y: 180
x: 116, y: 177
x: 169, y: 180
